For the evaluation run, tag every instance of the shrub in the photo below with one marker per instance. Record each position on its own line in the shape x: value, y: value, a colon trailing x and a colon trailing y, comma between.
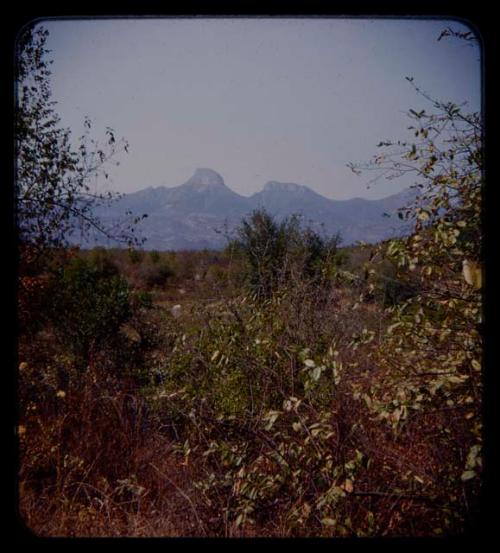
x: 135, y: 256
x: 275, y: 252
x: 88, y: 307
x: 392, y: 288
x: 253, y: 403
x: 431, y: 353
x: 101, y: 260
x: 156, y: 275
x: 154, y: 256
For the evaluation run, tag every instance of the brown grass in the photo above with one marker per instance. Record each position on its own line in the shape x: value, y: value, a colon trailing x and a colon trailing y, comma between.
x: 97, y: 460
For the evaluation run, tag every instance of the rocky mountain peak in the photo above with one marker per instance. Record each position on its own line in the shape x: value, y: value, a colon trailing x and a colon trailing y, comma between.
x: 206, y: 179
x: 276, y: 186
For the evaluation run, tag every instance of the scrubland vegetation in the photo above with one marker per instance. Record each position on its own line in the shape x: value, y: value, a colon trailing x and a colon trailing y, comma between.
x: 284, y: 400
x: 302, y: 388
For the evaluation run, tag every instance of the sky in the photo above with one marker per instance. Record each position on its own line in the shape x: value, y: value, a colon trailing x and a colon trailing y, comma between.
x: 291, y: 100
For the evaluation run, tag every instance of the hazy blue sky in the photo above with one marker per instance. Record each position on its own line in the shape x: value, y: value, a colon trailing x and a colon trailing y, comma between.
x: 292, y: 100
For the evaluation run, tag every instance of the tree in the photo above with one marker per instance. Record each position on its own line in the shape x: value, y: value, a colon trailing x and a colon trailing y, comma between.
x: 54, y: 197
x: 431, y: 354
x: 53, y: 178
x: 276, y: 251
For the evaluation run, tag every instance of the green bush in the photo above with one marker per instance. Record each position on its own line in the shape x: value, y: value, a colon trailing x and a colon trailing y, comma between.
x: 154, y: 256
x: 101, y: 259
x: 247, y: 395
x: 135, y: 256
x: 156, y: 275
x: 396, y: 292
x: 393, y: 288
x: 275, y: 252
x: 88, y: 308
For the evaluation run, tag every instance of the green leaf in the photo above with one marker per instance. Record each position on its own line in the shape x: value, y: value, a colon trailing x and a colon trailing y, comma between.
x: 271, y: 418
x: 239, y: 519
x: 473, y: 457
x: 328, y: 521
x: 467, y: 475
x: 316, y: 373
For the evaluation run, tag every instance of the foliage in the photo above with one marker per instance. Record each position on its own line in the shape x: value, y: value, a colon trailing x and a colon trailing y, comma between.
x: 55, y: 181
x: 89, y: 305
x: 431, y: 353
x: 271, y: 407
x: 54, y: 197
x: 277, y: 251
x: 103, y: 262
x: 156, y: 275
x: 296, y: 409
x: 154, y: 256
x: 390, y: 287
x: 135, y: 256
x: 256, y: 404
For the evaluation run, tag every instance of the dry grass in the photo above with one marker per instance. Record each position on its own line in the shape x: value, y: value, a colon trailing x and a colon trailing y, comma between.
x: 96, y: 459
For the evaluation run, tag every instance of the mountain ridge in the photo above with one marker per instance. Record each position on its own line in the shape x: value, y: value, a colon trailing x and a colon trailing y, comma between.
x: 193, y: 215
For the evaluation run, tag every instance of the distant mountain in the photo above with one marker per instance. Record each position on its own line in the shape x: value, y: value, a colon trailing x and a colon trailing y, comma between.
x: 199, y: 213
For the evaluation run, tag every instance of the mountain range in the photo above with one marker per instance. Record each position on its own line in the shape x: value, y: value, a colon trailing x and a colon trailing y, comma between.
x: 201, y: 212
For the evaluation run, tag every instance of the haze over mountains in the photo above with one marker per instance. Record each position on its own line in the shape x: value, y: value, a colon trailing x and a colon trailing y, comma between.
x: 199, y: 213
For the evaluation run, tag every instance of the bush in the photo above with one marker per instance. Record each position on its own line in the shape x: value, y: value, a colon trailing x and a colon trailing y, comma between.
x: 154, y: 256
x: 135, y: 256
x: 251, y: 397
x: 156, y: 275
x: 393, y: 288
x: 101, y: 260
x: 89, y: 306
x: 275, y: 252
x: 430, y: 356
